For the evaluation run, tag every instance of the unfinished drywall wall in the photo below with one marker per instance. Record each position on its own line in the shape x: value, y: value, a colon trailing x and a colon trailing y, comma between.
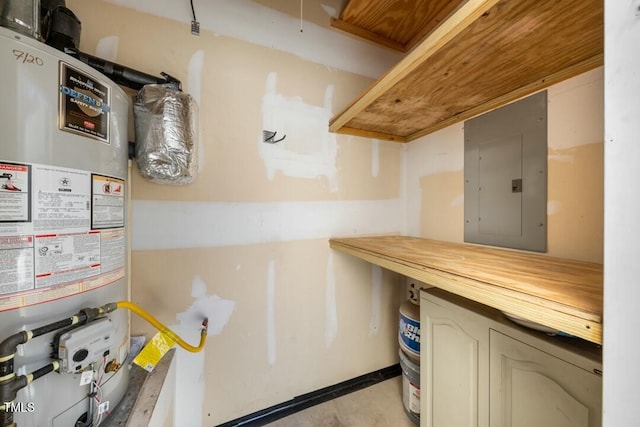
x: 302, y: 319
x: 249, y: 239
x: 434, y: 175
x: 278, y: 27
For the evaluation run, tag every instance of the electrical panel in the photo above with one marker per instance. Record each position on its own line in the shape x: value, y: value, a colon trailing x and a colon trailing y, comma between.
x: 505, y: 176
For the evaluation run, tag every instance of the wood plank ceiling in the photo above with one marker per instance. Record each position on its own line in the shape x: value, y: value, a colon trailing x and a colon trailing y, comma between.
x: 398, y: 24
x: 485, y: 54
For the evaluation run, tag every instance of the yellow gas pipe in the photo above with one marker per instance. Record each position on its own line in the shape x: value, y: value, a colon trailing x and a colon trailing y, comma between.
x: 165, y: 330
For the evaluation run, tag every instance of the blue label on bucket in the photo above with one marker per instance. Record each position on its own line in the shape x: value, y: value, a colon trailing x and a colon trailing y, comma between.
x: 410, y: 333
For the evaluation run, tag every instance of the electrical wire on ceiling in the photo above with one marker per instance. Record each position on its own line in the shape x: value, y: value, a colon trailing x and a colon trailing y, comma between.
x: 301, y: 30
x: 193, y: 11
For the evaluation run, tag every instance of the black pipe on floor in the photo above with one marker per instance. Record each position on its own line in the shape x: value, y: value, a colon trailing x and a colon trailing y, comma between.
x: 308, y: 400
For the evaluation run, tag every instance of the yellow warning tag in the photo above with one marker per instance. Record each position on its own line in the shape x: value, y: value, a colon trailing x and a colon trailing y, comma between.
x: 151, y: 354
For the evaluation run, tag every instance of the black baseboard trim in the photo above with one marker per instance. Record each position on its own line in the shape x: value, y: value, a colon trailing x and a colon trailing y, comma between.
x: 308, y: 400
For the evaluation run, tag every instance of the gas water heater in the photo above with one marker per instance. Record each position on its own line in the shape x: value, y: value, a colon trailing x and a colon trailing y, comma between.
x: 63, y: 237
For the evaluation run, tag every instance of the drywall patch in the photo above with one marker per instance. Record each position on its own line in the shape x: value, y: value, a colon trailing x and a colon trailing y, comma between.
x: 553, y: 206
x: 107, y: 48
x: 375, y: 157
x: 331, y: 11
x: 194, y: 85
x: 190, y: 386
x: 194, y: 78
x: 214, y: 308
x: 271, y: 316
x: 216, y: 224
x: 457, y: 201
x: 309, y: 150
x: 376, y: 291
x: 561, y: 158
x: 331, y: 312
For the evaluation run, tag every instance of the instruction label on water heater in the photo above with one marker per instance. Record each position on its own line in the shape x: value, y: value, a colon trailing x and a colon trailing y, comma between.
x: 62, y: 200
x: 61, y: 233
x: 107, y: 202
x: 16, y: 251
x: 62, y: 258
x: 84, y: 104
x: 15, y: 185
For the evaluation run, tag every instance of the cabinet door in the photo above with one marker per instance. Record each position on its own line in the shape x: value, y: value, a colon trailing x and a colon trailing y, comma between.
x: 453, y: 376
x: 531, y: 388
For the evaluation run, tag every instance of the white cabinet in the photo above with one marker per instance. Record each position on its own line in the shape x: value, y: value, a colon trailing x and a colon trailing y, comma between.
x: 532, y: 388
x: 453, y: 350
x: 479, y: 369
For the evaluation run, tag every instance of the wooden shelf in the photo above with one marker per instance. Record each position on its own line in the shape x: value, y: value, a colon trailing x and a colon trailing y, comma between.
x: 558, y: 293
x: 486, y: 54
x: 394, y: 24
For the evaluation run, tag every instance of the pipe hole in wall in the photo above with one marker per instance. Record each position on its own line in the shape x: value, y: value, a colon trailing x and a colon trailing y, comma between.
x: 269, y: 137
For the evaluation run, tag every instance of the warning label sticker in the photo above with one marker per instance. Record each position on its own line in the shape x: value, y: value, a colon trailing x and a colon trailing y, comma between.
x: 15, y: 185
x: 61, y: 233
x: 84, y: 104
x: 107, y: 202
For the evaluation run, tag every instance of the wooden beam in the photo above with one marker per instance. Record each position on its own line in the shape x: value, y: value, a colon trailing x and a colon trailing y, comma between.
x: 371, y: 134
x: 366, y: 34
x: 442, y: 15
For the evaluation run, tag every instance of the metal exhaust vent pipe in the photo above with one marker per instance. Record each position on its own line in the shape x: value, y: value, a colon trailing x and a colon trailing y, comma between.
x: 22, y: 16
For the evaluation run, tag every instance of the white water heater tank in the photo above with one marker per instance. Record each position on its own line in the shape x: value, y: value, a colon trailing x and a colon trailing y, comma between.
x: 63, y: 214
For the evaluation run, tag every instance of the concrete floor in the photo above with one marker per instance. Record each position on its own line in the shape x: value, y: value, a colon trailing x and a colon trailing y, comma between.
x: 377, y: 406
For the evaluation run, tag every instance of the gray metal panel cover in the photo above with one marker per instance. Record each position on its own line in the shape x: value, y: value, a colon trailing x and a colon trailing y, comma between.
x: 505, y: 173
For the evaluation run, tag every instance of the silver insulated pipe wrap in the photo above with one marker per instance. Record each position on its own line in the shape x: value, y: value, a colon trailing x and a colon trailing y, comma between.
x: 166, y: 135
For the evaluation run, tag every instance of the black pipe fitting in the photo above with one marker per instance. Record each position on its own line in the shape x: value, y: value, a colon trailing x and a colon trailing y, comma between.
x: 90, y: 314
x: 6, y: 368
x: 6, y: 418
x: 9, y: 390
x: 9, y: 346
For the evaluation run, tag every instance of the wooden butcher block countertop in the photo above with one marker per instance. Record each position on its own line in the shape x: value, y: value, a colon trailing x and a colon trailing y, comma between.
x: 562, y: 294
